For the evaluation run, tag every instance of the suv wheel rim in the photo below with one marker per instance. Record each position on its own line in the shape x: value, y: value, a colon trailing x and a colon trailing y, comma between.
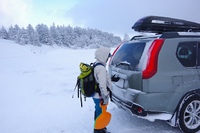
x: 192, y: 115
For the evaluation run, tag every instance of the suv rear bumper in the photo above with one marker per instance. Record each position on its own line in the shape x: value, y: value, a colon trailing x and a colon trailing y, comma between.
x: 130, y: 106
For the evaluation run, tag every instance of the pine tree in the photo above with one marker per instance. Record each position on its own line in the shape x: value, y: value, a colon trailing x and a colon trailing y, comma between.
x: 22, y: 37
x: 36, y: 41
x: 30, y: 32
x: 126, y: 37
x: 44, y: 34
x: 61, y: 35
x: 55, y: 35
x: 69, y: 36
x: 3, y: 33
x: 12, y: 32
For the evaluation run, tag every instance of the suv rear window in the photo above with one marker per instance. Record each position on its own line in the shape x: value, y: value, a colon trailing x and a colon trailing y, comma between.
x: 128, y: 55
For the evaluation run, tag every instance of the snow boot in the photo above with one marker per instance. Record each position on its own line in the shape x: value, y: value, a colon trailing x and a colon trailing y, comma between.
x: 99, y: 131
x: 104, y: 130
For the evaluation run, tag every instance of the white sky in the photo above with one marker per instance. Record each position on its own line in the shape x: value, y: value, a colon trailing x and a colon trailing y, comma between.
x: 114, y: 16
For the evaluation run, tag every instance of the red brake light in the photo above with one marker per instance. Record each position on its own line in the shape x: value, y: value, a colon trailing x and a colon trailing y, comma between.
x: 152, y: 61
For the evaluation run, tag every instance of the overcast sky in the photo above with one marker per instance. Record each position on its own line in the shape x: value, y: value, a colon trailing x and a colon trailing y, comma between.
x: 113, y: 16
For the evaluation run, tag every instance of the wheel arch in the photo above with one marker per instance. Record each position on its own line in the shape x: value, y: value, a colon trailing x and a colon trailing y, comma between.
x: 174, y: 120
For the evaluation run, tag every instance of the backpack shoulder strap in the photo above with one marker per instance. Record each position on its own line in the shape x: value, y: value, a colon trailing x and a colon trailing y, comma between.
x: 97, y: 64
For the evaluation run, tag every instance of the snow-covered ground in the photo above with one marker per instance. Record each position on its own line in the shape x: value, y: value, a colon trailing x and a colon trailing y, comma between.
x: 36, y: 86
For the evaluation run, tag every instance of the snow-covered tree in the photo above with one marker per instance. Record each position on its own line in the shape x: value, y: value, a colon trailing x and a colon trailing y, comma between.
x: 44, y: 34
x: 36, y: 41
x: 55, y: 35
x: 69, y: 36
x: 22, y: 37
x: 12, y: 32
x: 77, y: 38
x: 126, y: 37
x: 61, y: 35
x: 30, y: 32
x: 3, y: 33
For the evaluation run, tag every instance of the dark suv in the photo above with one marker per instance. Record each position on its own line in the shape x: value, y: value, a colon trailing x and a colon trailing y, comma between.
x: 160, y: 73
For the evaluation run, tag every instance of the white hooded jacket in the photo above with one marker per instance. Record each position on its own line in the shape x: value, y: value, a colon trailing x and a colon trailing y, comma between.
x: 101, y: 75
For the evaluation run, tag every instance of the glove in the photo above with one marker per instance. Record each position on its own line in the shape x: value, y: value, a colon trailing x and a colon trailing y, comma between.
x: 105, y: 99
x: 114, y: 79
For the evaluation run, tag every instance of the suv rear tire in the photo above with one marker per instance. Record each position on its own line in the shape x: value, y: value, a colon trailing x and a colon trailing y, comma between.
x: 189, y: 114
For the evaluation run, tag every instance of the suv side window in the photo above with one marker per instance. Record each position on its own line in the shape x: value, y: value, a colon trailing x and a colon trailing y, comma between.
x: 186, y: 53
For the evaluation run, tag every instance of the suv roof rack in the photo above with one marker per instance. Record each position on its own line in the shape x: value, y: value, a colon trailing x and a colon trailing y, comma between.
x: 180, y: 35
x: 138, y: 37
x: 158, y: 24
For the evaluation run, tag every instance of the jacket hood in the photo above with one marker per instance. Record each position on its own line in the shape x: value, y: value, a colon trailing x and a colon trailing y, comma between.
x: 101, y: 54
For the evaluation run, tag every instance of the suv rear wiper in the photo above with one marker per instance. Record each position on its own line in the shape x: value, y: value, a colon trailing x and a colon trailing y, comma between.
x: 122, y: 63
x: 126, y: 65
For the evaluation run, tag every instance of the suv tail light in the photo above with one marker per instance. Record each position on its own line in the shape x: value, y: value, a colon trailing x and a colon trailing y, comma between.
x: 152, y: 61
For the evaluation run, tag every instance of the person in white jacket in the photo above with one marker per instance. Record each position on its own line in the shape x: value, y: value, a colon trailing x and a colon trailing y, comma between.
x: 102, y: 77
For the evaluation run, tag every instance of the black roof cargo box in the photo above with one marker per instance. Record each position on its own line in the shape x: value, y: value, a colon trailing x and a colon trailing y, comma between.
x: 157, y: 24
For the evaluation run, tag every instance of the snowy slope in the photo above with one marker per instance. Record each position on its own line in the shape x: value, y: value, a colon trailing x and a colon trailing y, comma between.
x: 36, y: 86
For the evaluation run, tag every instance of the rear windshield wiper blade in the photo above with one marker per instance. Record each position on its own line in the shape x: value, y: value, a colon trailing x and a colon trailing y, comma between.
x: 126, y: 65
x: 123, y: 63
